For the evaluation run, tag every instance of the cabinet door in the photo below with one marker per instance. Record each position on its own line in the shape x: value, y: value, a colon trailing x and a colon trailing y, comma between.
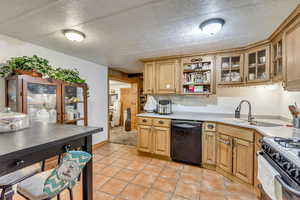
x: 224, y: 157
x: 144, y: 138
x: 243, y: 160
x: 230, y: 69
x: 167, y: 73
x: 257, y: 65
x: 42, y: 99
x: 13, y: 99
x: 74, y: 104
x: 292, y: 47
x: 149, y: 78
x: 161, y: 141
x: 209, y: 148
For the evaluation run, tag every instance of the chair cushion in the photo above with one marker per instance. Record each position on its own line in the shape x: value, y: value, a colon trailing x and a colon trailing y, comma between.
x: 17, y: 175
x: 32, y: 188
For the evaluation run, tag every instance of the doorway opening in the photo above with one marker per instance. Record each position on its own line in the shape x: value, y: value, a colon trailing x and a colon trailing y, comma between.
x: 123, y: 108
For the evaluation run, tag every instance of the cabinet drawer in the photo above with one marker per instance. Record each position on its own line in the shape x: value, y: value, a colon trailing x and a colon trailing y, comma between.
x: 144, y: 121
x: 241, y: 133
x: 19, y: 161
x: 210, y: 126
x: 162, y: 122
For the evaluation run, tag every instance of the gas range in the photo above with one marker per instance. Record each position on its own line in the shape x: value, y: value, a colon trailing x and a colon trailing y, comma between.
x: 285, y: 154
x: 288, y: 148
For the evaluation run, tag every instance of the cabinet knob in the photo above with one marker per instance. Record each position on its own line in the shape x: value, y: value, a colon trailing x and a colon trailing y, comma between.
x: 161, y: 122
x: 144, y: 120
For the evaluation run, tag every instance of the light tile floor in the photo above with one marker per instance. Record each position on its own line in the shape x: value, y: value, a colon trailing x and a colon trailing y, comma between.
x: 121, y: 174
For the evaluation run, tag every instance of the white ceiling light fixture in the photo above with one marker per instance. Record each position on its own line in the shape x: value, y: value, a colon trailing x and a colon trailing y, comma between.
x: 212, y: 26
x: 73, y: 35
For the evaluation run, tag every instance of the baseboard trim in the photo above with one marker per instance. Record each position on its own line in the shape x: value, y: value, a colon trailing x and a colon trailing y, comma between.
x: 100, y: 144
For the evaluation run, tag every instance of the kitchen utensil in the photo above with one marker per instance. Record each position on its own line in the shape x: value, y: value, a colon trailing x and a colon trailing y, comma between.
x: 296, y: 122
x: 293, y: 111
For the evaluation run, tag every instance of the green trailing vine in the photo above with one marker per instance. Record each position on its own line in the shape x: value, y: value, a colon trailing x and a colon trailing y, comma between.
x: 39, y: 65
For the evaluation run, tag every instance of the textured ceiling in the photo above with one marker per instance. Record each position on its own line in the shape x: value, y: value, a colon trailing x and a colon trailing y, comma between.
x: 119, y: 32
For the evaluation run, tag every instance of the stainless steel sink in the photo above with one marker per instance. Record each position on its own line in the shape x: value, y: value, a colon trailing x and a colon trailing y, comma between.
x: 264, y: 124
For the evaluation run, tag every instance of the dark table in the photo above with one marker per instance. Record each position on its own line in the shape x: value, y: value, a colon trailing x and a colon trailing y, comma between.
x: 42, y: 141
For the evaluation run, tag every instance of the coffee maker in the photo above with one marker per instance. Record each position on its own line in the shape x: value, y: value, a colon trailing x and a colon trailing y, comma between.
x: 164, y: 107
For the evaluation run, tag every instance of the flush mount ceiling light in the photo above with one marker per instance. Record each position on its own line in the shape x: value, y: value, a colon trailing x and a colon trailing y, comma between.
x: 73, y: 35
x: 212, y: 26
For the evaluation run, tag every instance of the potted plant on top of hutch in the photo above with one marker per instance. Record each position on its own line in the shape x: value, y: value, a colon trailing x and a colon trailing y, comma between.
x: 46, y: 93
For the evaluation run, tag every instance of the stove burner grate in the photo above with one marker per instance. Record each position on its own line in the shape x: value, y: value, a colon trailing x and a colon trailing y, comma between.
x: 288, y: 142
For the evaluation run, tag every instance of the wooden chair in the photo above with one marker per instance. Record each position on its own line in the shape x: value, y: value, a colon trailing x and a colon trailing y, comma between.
x: 32, y: 188
x: 8, y: 181
x: 48, y: 184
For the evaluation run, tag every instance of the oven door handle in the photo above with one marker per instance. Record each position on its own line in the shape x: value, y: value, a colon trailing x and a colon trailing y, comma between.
x: 286, y: 186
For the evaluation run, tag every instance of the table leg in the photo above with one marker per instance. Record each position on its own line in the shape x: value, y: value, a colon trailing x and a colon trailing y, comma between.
x: 87, y: 181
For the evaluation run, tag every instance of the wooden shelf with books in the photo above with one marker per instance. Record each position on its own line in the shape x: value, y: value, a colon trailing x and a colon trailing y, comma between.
x: 197, y: 75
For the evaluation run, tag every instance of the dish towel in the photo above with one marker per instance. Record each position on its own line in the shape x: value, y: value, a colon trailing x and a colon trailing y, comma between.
x: 266, y: 176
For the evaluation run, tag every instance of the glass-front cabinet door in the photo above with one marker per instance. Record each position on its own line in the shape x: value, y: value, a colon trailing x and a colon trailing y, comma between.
x: 277, y: 61
x: 257, y: 65
x: 41, y: 100
x: 230, y: 69
x: 74, y: 104
x: 13, y: 94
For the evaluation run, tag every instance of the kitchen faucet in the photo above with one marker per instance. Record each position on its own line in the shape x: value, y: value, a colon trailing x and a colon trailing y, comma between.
x: 238, y: 111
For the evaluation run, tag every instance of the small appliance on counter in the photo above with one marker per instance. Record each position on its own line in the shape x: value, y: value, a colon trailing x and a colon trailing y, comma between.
x: 12, y: 121
x: 150, y: 105
x: 164, y: 107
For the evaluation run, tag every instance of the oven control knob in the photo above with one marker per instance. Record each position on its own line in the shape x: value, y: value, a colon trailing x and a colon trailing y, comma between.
x: 286, y: 165
x: 292, y: 172
x: 276, y: 157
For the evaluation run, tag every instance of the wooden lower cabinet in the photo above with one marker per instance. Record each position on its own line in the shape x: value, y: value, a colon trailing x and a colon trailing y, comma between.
x: 224, y: 157
x: 243, y: 160
x: 144, y: 138
x: 154, y: 137
x: 235, y: 153
x: 209, y: 148
x: 161, y: 141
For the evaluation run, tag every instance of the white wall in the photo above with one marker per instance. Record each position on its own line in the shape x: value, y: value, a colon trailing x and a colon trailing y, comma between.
x: 96, y: 76
x: 265, y: 100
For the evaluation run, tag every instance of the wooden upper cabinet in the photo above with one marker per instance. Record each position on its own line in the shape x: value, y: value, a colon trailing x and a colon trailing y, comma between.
x: 224, y: 157
x: 167, y: 77
x: 243, y: 160
x: 149, y: 78
x: 230, y: 69
x: 257, y: 65
x: 277, y: 64
x: 292, y: 51
x: 198, y: 75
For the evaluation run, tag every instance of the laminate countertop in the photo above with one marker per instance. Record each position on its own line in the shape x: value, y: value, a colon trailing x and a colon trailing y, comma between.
x: 41, y: 134
x: 278, y: 131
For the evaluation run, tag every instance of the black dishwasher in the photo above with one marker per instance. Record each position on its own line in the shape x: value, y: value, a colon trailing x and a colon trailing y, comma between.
x: 186, y: 141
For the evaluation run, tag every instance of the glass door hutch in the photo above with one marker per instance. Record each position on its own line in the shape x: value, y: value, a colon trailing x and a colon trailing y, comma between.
x: 46, y: 100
